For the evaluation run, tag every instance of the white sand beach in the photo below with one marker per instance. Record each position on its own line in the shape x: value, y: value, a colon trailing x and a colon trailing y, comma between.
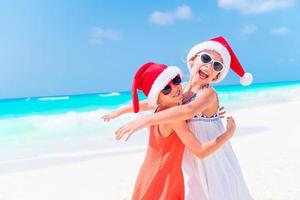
x: 266, y: 144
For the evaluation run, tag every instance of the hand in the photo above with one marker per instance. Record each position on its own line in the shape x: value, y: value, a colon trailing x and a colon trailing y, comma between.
x: 222, y: 112
x: 110, y: 116
x: 231, y: 125
x: 130, y: 128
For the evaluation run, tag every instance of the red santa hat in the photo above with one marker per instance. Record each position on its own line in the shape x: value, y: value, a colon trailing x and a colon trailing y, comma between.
x: 151, y: 78
x: 220, y: 45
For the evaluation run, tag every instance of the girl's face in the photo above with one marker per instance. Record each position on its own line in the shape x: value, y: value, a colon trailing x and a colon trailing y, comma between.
x: 172, y: 94
x: 204, y: 73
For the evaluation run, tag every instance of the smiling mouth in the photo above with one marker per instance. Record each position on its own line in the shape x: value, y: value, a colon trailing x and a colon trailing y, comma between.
x: 203, y: 74
x: 177, y: 93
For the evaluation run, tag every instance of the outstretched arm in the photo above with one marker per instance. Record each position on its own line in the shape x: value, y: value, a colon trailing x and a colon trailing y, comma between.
x: 171, y: 115
x: 143, y: 105
x: 184, y: 112
x: 202, y: 150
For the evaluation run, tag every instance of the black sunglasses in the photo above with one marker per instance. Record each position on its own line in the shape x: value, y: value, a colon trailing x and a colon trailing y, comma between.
x: 206, y: 58
x: 168, y: 88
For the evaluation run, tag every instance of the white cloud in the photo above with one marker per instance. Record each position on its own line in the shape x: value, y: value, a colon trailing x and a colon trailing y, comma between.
x: 99, y: 34
x: 249, y: 29
x: 255, y: 6
x: 183, y: 12
x: 280, y: 31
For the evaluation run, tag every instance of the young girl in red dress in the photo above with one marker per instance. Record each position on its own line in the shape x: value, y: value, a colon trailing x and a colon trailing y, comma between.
x: 160, y: 177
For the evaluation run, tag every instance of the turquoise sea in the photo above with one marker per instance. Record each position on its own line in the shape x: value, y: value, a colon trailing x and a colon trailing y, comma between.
x: 69, y: 126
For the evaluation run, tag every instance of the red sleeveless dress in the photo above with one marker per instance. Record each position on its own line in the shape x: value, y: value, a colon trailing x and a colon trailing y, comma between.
x: 160, y: 177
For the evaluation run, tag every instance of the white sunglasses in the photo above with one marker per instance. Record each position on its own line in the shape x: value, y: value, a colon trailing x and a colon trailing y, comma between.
x: 206, y: 58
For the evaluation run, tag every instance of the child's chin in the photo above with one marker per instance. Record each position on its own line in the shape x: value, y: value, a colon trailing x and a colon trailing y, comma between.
x: 202, y: 81
x: 178, y: 100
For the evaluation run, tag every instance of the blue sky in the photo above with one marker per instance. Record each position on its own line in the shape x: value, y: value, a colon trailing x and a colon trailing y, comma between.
x: 57, y: 47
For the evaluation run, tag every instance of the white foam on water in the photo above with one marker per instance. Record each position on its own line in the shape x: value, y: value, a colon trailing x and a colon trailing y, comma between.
x: 74, y: 123
x: 38, y: 135
x: 53, y: 98
x: 110, y: 94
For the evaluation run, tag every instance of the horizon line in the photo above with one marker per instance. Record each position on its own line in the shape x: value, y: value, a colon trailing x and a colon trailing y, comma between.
x: 94, y: 93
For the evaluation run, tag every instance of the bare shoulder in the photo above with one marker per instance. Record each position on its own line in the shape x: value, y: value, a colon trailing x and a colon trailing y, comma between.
x: 207, y: 94
x: 213, y: 102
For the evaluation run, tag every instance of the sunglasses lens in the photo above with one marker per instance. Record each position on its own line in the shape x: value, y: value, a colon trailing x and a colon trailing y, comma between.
x: 205, y: 58
x: 218, y: 66
x: 166, y: 90
x: 176, y: 80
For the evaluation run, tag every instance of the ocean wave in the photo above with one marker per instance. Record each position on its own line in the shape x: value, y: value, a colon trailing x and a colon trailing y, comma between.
x: 66, y: 124
x: 110, y: 94
x: 72, y: 135
x: 53, y: 98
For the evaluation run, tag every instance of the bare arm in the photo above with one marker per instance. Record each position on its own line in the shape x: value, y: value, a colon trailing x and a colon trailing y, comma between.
x: 174, y: 114
x: 171, y: 115
x: 202, y: 150
x: 183, y: 112
x: 143, y: 105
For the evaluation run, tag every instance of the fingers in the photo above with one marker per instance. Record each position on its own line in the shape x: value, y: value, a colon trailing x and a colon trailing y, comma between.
x: 230, y: 121
x: 120, y: 133
x: 106, y: 118
x: 109, y: 116
x: 222, y: 114
x: 123, y: 131
x: 119, y: 130
x: 222, y: 108
x: 128, y: 136
x: 229, y: 118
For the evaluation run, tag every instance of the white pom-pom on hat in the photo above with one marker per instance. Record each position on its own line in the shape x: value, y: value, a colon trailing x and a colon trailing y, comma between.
x: 246, y: 79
